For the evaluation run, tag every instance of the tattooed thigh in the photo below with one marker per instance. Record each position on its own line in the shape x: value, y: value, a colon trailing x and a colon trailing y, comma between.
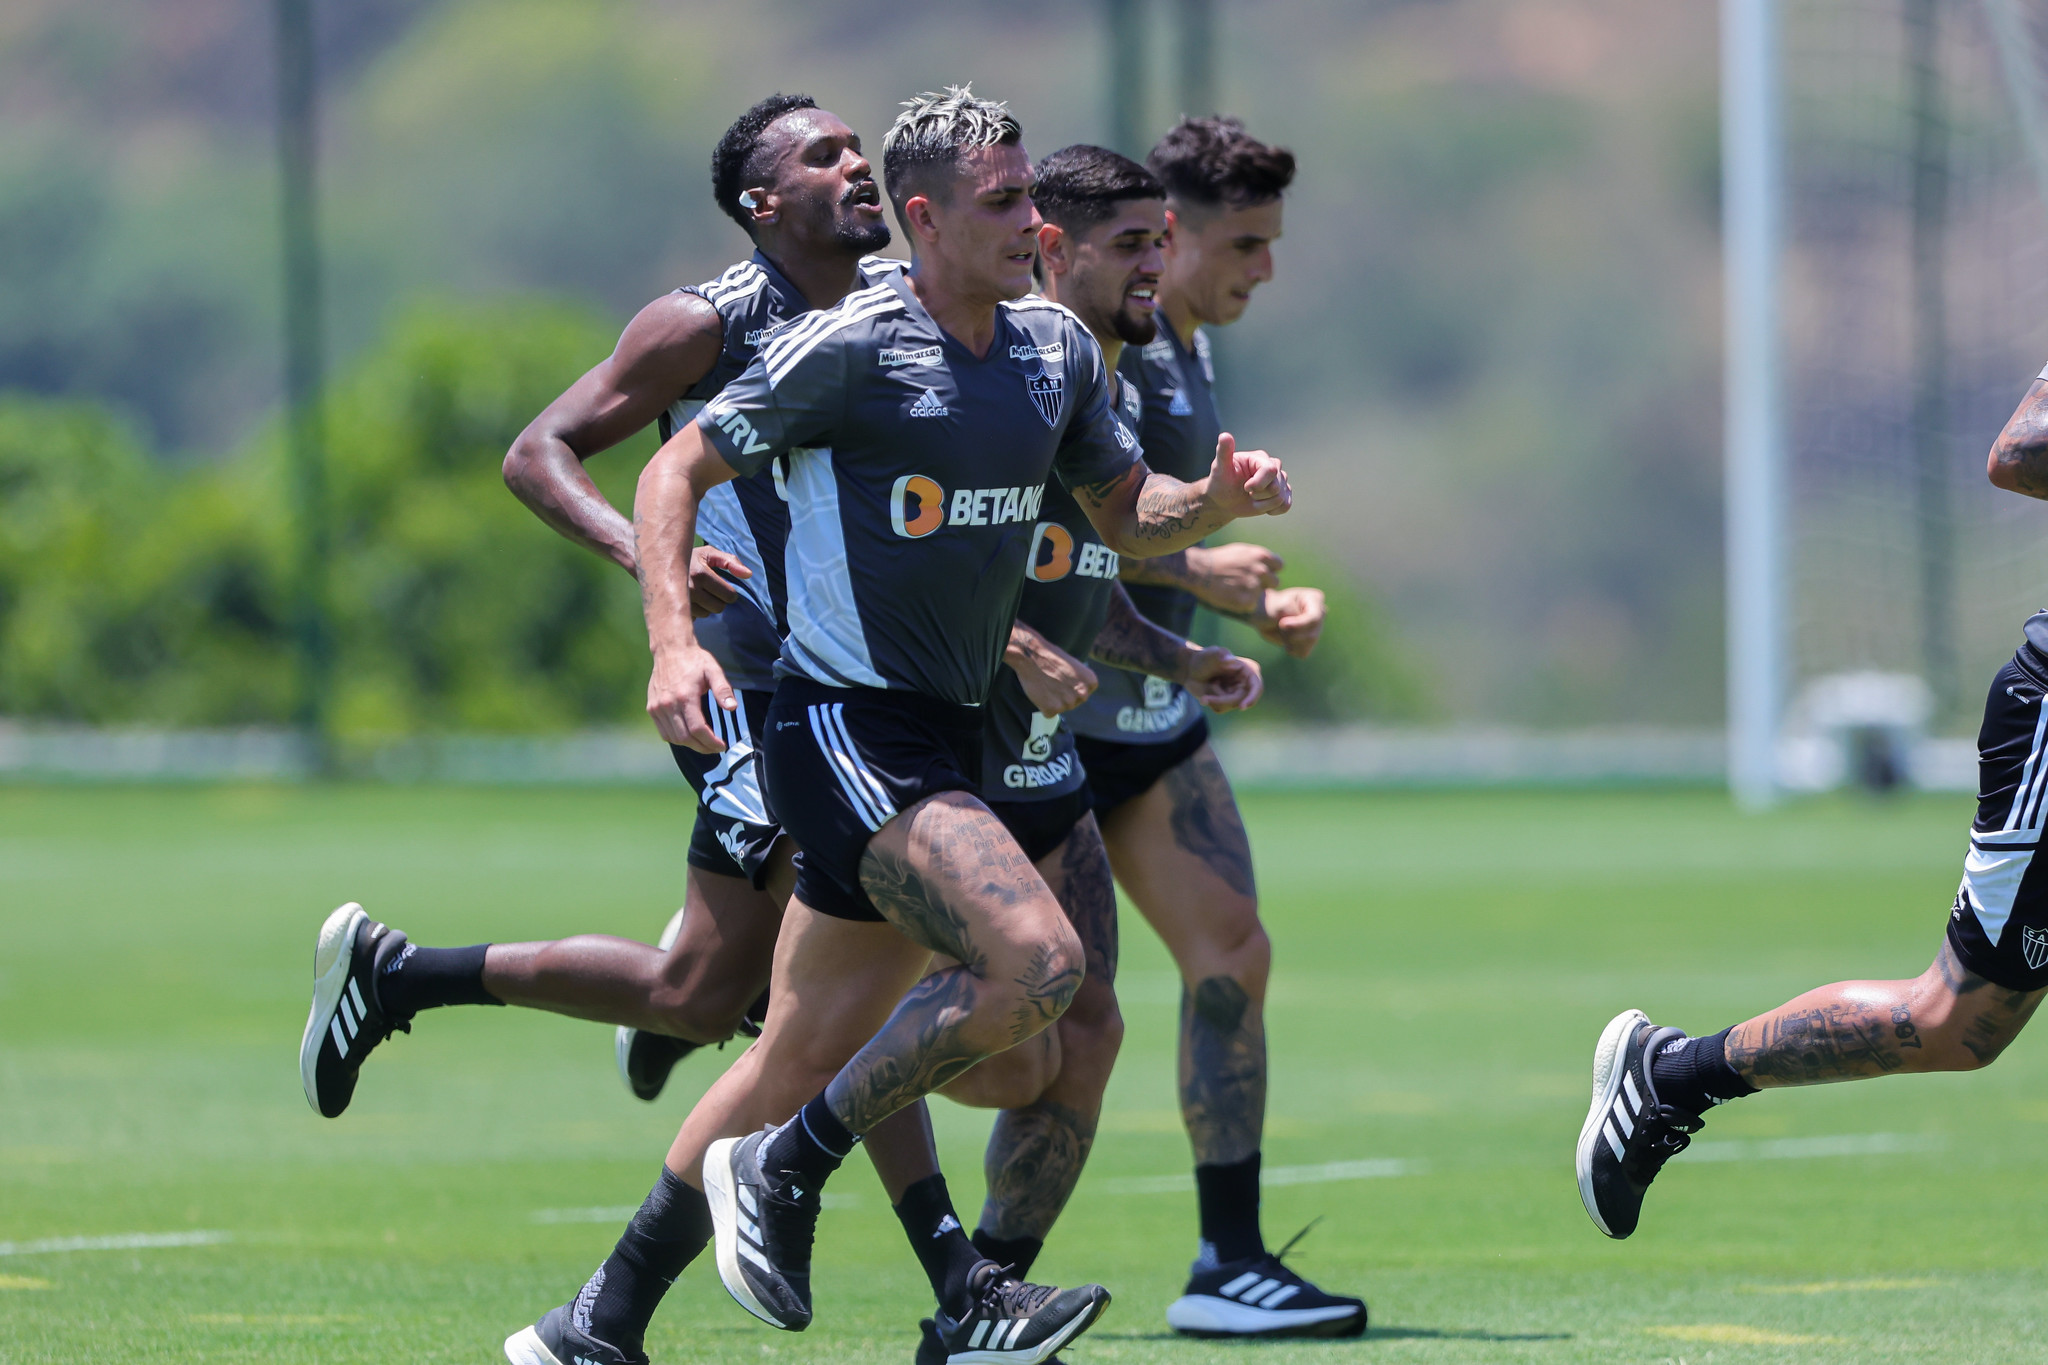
x: 928, y: 864
x: 1206, y: 822
x: 1086, y: 889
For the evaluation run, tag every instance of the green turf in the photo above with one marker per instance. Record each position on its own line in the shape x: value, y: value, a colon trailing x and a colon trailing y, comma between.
x: 1443, y: 965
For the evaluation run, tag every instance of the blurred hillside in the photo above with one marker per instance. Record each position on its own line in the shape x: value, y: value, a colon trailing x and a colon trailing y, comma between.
x: 1491, y: 353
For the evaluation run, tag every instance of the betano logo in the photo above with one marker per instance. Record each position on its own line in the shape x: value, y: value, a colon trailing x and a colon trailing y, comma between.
x: 918, y: 506
x: 1053, y: 558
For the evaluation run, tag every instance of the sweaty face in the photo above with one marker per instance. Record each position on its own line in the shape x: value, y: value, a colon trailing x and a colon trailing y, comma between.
x: 1113, y: 281
x: 1216, y: 257
x: 988, y: 226
x: 826, y: 188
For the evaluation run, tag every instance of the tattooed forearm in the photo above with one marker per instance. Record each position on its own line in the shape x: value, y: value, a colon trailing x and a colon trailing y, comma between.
x: 2019, y: 458
x: 1222, y: 1071
x: 1168, y: 509
x: 1128, y: 640
x: 1167, y: 571
x: 1206, y: 822
x: 1035, y: 1156
x: 922, y: 1047
x: 1143, y: 514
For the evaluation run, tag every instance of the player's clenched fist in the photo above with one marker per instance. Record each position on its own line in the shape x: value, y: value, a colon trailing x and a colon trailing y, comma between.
x: 1248, y: 483
x: 682, y: 678
x: 1223, y: 681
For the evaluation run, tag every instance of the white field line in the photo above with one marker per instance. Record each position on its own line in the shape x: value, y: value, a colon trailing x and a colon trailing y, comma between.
x: 1807, y: 1148
x: 128, y: 1241
x: 623, y: 1213
x: 1326, y: 1173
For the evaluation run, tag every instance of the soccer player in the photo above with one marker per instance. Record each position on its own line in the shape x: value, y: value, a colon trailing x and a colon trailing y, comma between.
x: 793, y: 177
x: 917, y: 423
x: 1168, y: 816
x: 1652, y: 1085
x: 1100, y: 256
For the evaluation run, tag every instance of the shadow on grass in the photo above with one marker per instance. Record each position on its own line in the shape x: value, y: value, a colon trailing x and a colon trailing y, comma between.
x: 1372, y: 1334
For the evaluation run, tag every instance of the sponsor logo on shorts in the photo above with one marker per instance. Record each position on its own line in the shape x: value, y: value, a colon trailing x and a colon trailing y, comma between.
x: 1030, y: 776
x: 918, y: 506
x: 1164, y: 709
x: 1038, y: 746
x: 926, y: 355
x: 1053, y: 556
x: 2034, y: 947
x: 734, y: 842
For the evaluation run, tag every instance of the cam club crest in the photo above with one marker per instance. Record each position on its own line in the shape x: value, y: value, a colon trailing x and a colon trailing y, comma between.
x: 2034, y: 947
x: 1048, y: 392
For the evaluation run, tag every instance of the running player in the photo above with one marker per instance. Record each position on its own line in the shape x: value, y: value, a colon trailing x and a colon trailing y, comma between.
x: 793, y: 177
x: 917, y: 423
x: 1168, y: 815
x: 1100, y: 256
x: 1652, y: 1085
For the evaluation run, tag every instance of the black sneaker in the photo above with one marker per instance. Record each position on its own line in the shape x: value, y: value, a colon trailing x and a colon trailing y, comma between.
x: 762, y: 1224
x: 1010, y: 1321
x: 645, y: 1059
x: 1629, y: 1133
x: 346, y: 1022
x: 563, y: 1338
x: 1260, y: 1297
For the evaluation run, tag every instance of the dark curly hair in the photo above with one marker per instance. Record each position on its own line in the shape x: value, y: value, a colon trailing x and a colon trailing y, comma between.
x: 1080, y: 186
x: 1214, y: 162
x: 734, y: 160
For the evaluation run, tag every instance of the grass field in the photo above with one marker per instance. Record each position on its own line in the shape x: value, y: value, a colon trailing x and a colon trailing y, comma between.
x: 1443, y: 965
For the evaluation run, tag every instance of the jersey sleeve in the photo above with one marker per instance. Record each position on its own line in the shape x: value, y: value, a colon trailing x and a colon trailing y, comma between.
x: 785, y: 399
x: 1098, y: 444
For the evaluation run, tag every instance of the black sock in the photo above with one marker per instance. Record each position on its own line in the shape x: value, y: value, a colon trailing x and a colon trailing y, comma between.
x: 666, y: 1235
x: 935, y: 1235
x: 1018, y: 1253
x: 1229, y: 1200
x: 811, y: 1145
x: 1693, y: 1074
x: 419, y: 978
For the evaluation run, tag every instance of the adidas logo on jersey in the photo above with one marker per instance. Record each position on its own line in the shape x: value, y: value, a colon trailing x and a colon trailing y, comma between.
x: 928, y: 405
x: 1180, y: 406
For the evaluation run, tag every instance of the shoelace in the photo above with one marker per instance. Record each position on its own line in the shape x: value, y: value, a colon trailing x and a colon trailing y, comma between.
x: 1006, y: 1296
x: 1662, y: 1132
x: 793, y: 1223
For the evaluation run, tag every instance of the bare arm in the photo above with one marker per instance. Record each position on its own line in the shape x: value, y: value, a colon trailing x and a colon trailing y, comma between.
x: 664, y: 525
x: 670, y: 344
x: 2019, y: 457
x: 1054, y: 680
x: 1231, y: 579
x: 1143, y: 514
x: 1220, y: 680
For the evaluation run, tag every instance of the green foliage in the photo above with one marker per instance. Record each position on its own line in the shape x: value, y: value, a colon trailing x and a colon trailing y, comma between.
x: 1358, y: 670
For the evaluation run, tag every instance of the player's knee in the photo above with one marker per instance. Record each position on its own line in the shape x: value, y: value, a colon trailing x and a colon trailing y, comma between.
x: 706, y: 1014
x: 1032, y: 978
x: 1091, y: 1032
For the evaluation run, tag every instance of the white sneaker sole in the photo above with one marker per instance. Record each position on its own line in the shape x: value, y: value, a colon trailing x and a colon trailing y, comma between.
x: 1208, y: 1313
x: 622, y: 1040
x: 1043, y: 1351
x: 524, y: 1347
x: 1607, y: 1073
x: 722, y: 1194
x: 331, y: 956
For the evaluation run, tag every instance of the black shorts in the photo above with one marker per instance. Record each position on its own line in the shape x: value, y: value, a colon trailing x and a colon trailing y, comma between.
x: 842, y: 761
x: 1039, y: 827
x: 1117, y: 771
x: 735, y: 829
x: 1998, y: 925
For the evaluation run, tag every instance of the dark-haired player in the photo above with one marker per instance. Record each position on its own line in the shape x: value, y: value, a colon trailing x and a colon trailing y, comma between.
x: 1099, y: 251
x: 1652, y: 1085
x: 917, y: 422
x: 1168, y: 816
x: 793, y: 177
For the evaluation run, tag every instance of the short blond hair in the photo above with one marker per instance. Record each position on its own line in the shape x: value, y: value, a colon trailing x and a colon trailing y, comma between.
x: 934, y: 130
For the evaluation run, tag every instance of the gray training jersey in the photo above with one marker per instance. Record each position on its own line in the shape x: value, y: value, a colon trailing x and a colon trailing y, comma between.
x: 748, y: 518
x: 1179, y: 430
x: 915, y: 473
x: 1069, y: 574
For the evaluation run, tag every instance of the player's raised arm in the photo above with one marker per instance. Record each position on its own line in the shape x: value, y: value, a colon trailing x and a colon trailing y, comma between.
x: 1142, y: 514
x: 669, y: 345
x: 664, y: 524
x: 2019, y: 457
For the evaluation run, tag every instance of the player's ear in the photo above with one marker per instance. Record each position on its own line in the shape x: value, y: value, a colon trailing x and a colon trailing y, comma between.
x: 1053, y: 248
x: 761, y: 202
x: 918, y: 216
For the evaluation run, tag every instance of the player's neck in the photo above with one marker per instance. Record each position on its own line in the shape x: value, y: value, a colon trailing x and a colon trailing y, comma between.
x: 1178, y: 315
x: 963, y: 315
x: 822, y: 277
x: 1112, y: 345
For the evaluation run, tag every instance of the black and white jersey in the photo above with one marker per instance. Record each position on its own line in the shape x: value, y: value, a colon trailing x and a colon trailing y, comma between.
x: 916, y: 473
x: 747, y: 518
x: 1179, y: 430
x: 1068, y: 577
